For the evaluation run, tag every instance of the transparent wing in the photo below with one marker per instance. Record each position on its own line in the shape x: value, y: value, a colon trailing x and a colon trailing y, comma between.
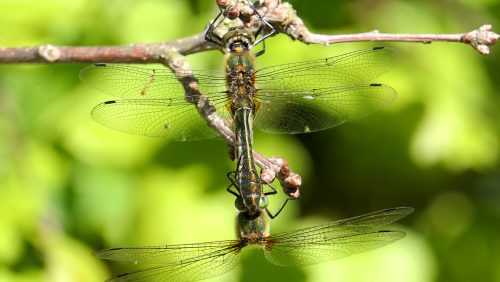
x: 316, y: 109
x: 320, y: 94
x: 334, y: 240
x: 154, y: 103
x: 146, y: 82
x: 313, y: 251
x: 351, y: 68
x: 186, y: 262
x: 174, y: 119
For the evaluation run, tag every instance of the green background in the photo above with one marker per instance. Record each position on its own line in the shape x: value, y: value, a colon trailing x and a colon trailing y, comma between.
x: 69, y: 186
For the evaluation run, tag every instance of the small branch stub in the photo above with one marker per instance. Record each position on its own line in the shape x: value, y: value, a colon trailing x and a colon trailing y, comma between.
x: 49, y: 53
x: 290, y: 181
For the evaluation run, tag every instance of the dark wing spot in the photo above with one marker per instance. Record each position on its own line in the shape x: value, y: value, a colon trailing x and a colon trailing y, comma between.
x: 109, y: 102
x: 375, y: 84
x: 378, y: 48
x: 100, y: 65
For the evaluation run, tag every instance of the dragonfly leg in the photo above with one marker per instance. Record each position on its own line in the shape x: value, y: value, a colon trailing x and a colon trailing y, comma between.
x: 232, y: 177
x: 279, y: 211
x: 267, y: 24
x: 209, y: 32
x: 273, y: 192
x: 261, y: 52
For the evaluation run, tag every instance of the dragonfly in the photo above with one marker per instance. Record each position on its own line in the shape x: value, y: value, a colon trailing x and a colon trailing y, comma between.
x: 308, y: 246
x: 242, y: 107
x: 240, y: 62
x: 290, y: 99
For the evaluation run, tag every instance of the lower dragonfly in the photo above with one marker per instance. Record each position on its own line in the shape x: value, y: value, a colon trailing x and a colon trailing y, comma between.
x: 308, y: 246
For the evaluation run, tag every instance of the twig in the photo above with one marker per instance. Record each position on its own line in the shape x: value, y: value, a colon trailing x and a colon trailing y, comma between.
x: 285, y: 20
x: 136, y: 53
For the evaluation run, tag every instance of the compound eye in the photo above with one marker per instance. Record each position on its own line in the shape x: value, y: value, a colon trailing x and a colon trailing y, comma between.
x: 238, y: 203
x: 264, y: 202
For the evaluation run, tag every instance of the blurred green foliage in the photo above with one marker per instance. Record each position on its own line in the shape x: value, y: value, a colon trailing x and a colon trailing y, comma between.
x: 69, y: 186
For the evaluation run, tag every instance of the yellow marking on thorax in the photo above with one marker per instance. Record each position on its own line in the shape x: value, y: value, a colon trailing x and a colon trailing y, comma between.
x: 240, y: 69
x: 238, y: 49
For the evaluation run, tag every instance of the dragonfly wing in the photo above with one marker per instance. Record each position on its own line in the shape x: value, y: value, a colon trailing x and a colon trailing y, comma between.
x: 146, y: 82
x: 309, y: 250
x: 319, y: 108
x: 351, y: 68
x: 154, y: 103
x: 334, y: 240
x: 187, y: 262
x: 174, y: 119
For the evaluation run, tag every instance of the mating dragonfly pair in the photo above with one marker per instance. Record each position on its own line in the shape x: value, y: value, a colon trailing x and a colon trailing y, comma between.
x: 292, y: 98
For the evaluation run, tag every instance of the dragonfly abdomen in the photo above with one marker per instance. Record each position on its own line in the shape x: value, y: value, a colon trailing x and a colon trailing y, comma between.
x: 247, y: 178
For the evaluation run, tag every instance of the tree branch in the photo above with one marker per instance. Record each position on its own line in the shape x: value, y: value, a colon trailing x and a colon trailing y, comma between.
x: 284, y: 18
x: 135, y: 53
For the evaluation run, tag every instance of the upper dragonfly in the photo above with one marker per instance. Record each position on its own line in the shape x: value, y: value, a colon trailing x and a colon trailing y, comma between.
x: 291, y: 98
x: 312, y: 245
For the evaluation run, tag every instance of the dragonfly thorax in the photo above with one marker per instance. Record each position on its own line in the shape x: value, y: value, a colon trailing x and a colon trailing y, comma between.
x: 253, y: 228
x: 240, y: 79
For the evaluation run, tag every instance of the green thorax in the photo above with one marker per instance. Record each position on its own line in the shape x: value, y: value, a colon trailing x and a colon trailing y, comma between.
x: 240, y: 72
x: 253, y: 229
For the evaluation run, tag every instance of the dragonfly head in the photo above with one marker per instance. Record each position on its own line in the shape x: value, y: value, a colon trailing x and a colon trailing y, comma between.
x: 238, y: 40
x: 247, y: 204
x: 252, y: 203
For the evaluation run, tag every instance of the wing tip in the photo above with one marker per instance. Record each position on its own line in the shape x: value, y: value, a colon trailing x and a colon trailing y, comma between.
x: 100, y: 254
x: 395, y: 53
x: 393, y: 235
x: 404, y: 211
